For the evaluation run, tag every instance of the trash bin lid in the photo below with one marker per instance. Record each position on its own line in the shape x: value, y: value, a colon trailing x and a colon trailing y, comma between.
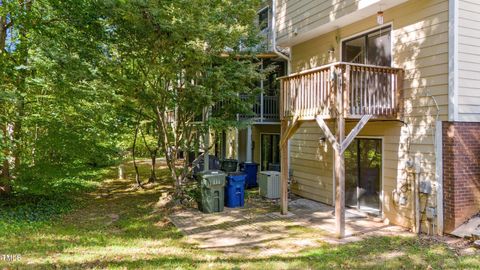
x: 211, y: 178
x: 270, y: 172
x: 210, y: 172
x: 230, y: 160
x: 236, y: 174
x: 235, y: 177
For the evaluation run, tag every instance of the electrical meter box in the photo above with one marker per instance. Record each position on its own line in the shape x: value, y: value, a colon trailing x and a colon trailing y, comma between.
x: 425, y: 187
x: 430, y: 212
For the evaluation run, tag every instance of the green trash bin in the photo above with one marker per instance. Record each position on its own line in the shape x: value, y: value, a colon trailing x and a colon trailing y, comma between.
x: 212, y: 191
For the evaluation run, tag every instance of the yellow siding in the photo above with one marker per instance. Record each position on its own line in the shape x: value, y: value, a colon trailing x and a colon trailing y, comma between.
x: 302, y: 17
x: 420, y: 46
x: 305, y: 15
x: 311, y: 164
x: 469, y: 60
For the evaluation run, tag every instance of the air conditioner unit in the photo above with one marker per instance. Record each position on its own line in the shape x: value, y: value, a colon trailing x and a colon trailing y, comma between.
x: 269, y: 184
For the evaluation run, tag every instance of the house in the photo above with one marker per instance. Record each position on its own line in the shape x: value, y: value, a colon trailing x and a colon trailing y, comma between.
x: 380, y: 110
x: 258, y: 140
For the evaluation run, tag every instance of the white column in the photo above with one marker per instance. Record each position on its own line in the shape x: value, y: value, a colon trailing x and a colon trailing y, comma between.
x: 261, y: 97
x: 206, y: 155
x: 206, y: 141
x: 237, y: 146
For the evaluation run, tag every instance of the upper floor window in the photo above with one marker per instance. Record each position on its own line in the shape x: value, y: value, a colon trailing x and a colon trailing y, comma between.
x: 271, y: 84
x: 373, y: 48
x: 263, y: 18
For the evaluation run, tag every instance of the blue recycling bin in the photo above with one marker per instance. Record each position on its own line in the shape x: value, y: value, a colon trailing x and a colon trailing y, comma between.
x: 235, y: 190
x: 251, y: 169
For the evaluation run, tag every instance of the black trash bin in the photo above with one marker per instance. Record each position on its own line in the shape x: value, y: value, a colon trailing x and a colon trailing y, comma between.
x: 229, y: 165
x: 198, y: 165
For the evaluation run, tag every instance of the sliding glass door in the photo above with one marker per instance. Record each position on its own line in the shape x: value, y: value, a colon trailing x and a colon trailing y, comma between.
x: 373, y: 48
x: 363, y: 167
x: 270, y: 152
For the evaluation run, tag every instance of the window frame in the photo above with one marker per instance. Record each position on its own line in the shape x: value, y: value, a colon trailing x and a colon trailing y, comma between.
x: 388, y: 27
x: 267, y: 20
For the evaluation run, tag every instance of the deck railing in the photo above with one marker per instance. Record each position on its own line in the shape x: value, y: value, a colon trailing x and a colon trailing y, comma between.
x: 360, y: 89
x: 265, y: 109
x: 270, y: 111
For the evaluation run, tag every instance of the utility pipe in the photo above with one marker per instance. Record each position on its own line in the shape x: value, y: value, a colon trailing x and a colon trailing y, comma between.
x: 280, y: 54
x: 206, y: 141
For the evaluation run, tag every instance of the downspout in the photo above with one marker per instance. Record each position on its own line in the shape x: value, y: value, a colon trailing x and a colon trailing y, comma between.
x: 274, y: 37
x: 281, y: 55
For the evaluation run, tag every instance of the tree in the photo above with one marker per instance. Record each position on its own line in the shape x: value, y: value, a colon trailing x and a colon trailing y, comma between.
x: 54, y: 106
x: 172, y: 59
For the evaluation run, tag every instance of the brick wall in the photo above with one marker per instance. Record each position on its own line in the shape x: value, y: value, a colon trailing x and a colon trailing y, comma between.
x: 461, y: 172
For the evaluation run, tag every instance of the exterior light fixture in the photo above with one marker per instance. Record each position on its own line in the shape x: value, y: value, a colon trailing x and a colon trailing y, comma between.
x: 380, y: 17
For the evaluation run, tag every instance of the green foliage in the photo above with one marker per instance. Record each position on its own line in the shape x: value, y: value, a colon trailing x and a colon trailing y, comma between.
x: 192, y: 191
x: 50, y: 180
x: 44, y: 193
x: 56, y: 106
x: 21, y: 211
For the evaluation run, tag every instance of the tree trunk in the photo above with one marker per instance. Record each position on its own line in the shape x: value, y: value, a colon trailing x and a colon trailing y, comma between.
x: 5, y: 184
x: 153, y: 176
x: 17, y: 130
x: 137, y: 174
x: 23, y: 48
x: 5, y: 179
x: 153, y: 156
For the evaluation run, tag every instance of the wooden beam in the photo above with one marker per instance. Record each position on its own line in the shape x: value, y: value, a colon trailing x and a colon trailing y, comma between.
x: 291, y: 129
x: 354, y: 132
x: 326, y: 130
x: 284, y: 170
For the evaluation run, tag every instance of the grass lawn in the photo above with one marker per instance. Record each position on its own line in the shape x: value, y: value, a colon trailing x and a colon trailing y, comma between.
x: 118, y: 227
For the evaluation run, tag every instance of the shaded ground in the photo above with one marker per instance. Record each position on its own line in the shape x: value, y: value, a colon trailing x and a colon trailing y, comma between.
x: 119, y: 227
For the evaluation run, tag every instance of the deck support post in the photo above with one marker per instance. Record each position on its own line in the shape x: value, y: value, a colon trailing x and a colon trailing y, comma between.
x: 340, y: 181
x: 342, y: 109
x: 284, y: 169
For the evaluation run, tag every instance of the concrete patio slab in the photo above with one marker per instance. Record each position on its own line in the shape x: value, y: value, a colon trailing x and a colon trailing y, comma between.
x: 264, y: 230
x: 471, y: 228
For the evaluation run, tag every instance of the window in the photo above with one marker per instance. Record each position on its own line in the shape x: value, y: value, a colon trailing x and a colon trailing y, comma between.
x: 263, y: 18
x: 373, y: 48
x: 271, y: 85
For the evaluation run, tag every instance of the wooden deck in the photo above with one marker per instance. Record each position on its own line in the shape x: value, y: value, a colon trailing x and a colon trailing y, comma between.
x: 361, y: 89
x: 337, y: 91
